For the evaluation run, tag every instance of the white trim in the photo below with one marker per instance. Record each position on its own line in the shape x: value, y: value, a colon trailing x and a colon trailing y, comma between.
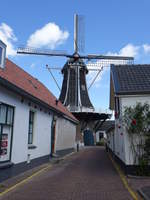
x: 67, y: 86
x: 79, y: 92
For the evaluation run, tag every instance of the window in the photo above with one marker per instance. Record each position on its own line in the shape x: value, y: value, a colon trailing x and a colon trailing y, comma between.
x: 6, y: 114
x: 9, y: 115
x: 30, y: 132
x: 3, y: 112
x: 83, y: 87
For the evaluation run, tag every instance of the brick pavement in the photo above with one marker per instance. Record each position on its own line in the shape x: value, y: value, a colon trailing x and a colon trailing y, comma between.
x: 87, y: 175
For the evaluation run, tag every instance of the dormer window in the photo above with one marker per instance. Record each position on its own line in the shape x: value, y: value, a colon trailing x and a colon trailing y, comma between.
x: 2, y: 54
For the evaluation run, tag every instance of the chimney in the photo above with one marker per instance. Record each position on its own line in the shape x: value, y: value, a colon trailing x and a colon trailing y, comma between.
x: 2, y: 54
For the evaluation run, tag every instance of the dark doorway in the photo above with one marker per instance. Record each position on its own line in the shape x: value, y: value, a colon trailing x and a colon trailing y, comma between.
x: 88, y: 138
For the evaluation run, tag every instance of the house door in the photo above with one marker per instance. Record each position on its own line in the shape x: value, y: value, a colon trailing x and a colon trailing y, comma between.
x: 6, y: 126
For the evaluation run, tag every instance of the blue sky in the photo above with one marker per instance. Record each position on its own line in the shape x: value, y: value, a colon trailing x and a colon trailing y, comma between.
x: 119, y: 27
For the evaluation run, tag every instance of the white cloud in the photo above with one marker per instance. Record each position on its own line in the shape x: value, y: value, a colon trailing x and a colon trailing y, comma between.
x: 8, y: 37
x: 146, y: 48
x: 128, y: 50
x: 49, y: 36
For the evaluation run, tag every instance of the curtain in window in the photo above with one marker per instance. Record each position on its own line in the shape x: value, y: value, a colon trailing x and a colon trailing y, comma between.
x: 3, y: 114
x: 10, y: 116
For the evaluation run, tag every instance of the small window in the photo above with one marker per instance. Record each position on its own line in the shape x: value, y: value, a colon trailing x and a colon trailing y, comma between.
x: 6, y: 114
x: 9, y: 115
x: 3, y: 112
x: 83, y: 87
x: 30, y: 131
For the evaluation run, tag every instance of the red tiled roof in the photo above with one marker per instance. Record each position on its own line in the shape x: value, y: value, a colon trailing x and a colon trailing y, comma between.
x: 21, y: 79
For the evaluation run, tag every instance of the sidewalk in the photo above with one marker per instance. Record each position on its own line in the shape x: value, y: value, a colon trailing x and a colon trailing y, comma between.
x: 87, y: 175
x: 26, y: 174
x: 141, y: 185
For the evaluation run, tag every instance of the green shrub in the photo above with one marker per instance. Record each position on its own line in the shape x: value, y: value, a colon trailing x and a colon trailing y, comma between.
x: 100, y: 143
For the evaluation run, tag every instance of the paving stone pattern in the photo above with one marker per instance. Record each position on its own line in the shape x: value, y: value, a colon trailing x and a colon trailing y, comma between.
x: 87, y: 175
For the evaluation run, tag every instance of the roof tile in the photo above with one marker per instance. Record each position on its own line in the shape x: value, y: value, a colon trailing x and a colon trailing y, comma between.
x: 131, y: 78
x: 18, y: 77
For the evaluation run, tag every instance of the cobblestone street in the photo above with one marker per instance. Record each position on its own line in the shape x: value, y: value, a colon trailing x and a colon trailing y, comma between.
x: 87, y: 175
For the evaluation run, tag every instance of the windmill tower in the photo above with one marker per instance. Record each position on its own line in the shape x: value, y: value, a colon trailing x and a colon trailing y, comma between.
x: 74, y: 92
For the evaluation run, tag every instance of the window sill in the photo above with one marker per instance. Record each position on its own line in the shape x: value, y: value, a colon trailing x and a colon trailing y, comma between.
x: 31, y: 146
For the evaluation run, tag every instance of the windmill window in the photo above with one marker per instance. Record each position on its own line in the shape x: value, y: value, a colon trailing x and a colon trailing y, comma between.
x: 83, y: 87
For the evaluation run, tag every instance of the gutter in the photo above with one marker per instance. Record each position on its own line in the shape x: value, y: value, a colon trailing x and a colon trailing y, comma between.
x: 133, y: 92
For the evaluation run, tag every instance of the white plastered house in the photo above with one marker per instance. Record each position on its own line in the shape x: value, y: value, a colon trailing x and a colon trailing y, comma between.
x: 129, y: 84
x: 33, y: 123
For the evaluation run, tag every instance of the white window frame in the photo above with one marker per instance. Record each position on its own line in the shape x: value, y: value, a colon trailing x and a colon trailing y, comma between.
x: 3, y: 56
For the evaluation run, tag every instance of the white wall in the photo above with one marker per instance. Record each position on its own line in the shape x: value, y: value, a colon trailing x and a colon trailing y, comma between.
x: 119, y: 140
x: 98, y: 137
x: 122, y: 140
x: 110, y: 140
x: 126, y: 102
x: 42, y: 135
x: 132, y: 100
x: 42, y: 128
x: 65, y: 134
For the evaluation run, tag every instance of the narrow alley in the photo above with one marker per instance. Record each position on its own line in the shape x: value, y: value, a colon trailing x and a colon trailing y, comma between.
x: 87, y: 175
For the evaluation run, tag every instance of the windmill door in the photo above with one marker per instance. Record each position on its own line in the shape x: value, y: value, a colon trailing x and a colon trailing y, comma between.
x: 6, y: 127
x: 88, y: 138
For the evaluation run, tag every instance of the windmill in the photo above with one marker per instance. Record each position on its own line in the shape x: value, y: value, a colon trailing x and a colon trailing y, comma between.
x: 74, y: 92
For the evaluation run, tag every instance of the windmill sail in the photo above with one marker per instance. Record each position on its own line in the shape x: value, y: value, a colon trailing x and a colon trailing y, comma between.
x: 74, y: 92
